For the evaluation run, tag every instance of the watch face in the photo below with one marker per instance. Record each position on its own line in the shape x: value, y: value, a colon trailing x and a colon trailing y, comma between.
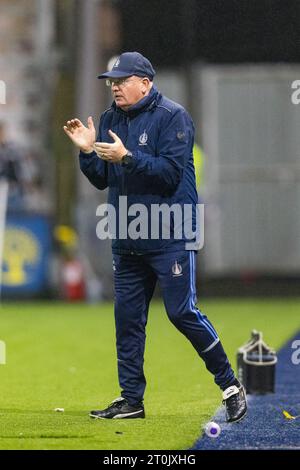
x: 127, y: 158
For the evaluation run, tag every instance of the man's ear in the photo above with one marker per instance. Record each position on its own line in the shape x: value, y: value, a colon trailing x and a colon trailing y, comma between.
x: 145, y: 84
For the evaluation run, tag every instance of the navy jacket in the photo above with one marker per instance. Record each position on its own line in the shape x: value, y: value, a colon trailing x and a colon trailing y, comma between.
x: 160, y: 135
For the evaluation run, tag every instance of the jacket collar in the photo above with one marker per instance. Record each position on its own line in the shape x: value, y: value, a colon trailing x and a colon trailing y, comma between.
x: 145, y: 104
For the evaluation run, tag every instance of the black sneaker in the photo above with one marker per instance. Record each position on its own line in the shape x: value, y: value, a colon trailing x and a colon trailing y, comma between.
x: 120, y: 408
x: 234, y: 399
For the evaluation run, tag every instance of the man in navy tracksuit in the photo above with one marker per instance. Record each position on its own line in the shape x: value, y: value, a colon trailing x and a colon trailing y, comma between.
x: 143, y: 151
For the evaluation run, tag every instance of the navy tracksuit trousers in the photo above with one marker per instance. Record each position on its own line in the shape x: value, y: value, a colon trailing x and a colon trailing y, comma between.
x: 135, y: 279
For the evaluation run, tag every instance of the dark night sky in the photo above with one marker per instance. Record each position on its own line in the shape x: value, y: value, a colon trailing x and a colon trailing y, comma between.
x: 171, y: 32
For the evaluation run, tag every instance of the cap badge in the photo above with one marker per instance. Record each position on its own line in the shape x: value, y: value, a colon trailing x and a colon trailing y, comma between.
x: 117, y: 63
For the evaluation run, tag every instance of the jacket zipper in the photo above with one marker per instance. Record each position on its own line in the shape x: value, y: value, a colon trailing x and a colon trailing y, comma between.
x: 124, y: 189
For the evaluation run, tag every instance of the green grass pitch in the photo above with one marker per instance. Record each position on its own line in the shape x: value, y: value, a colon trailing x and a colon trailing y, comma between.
x: 62, y: 355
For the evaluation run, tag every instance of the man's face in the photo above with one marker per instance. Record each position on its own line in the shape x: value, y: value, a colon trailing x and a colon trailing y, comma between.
x: 128, y: 91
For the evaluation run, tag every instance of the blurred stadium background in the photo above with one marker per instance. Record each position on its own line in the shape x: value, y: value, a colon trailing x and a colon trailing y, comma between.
x: 230, y: 63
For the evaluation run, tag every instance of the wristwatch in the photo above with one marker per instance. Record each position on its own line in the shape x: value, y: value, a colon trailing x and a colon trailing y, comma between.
x: 127, y: 158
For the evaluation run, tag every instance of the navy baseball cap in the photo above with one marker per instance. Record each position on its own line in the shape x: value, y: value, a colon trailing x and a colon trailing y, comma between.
x: 130, y: 63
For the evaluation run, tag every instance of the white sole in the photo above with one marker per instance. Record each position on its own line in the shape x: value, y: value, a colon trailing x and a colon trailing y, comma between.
x: 120, y: 416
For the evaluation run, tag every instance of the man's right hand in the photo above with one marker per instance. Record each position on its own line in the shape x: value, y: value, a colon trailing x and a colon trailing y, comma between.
x: 83, y: 137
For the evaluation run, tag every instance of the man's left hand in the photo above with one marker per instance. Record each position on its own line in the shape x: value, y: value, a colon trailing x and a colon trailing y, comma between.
x: 112, y: 153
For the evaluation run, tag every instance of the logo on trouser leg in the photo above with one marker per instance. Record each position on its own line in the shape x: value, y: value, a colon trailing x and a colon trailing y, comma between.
x: 176, y: 269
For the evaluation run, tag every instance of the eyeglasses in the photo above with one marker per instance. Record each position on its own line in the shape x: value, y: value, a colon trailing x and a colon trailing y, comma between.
x: 119, y: 81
